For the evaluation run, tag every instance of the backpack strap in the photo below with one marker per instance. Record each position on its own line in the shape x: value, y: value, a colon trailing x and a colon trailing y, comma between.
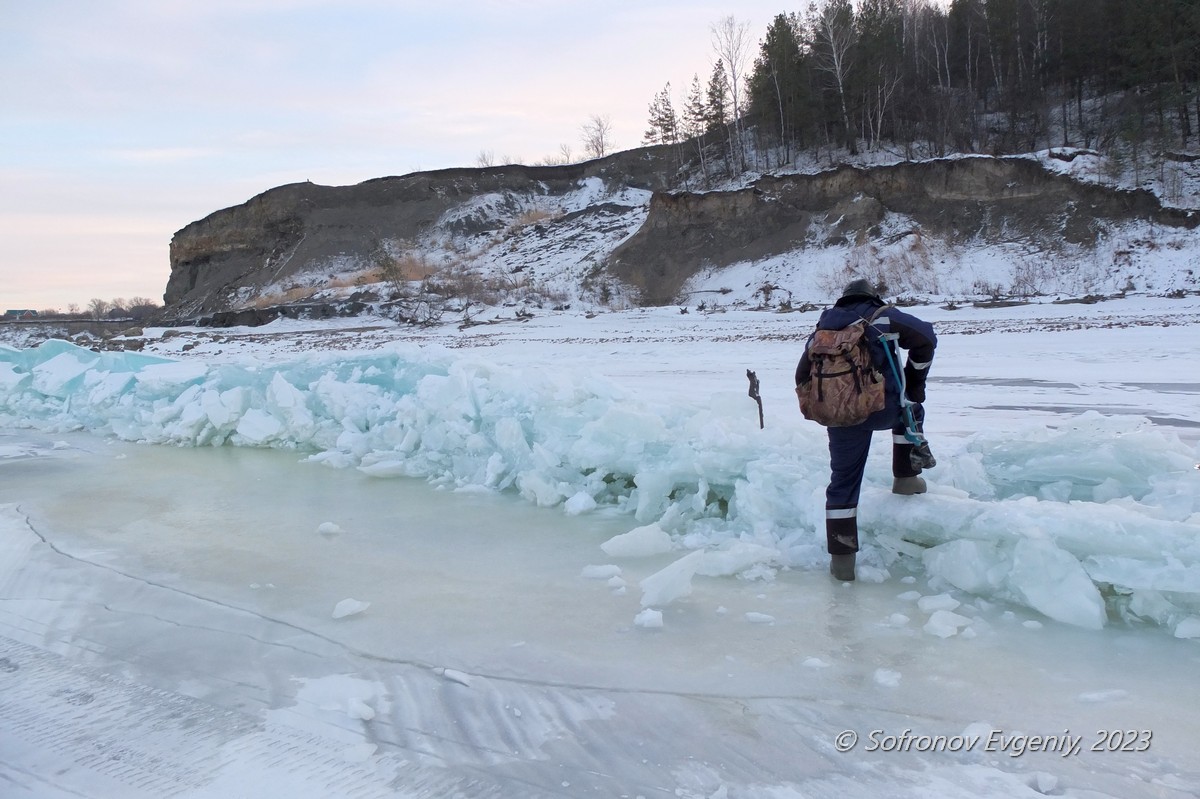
x: 886, y: 339
x: 878, y: 312
x: 887, y: 335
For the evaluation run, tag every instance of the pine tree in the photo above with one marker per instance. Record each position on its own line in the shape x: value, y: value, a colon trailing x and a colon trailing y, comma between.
x: 716, y: 120
x: 778, y: 85
x: 695, y: 121
x: 664, y: 124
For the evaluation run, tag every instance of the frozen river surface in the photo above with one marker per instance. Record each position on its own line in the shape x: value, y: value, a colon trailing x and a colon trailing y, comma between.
x: 179, y: 640
x: 230, y: 621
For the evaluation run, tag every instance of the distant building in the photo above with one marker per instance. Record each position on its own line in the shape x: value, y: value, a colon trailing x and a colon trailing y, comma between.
x: 20, y: 313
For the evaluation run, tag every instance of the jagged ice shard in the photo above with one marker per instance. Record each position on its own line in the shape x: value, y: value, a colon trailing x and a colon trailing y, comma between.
x: 1093, y: 521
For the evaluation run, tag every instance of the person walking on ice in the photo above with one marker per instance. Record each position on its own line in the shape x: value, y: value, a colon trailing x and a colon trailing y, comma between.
x: 849, y: 379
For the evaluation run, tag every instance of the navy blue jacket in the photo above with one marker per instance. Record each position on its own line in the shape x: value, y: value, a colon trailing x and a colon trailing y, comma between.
x: 915, y: 335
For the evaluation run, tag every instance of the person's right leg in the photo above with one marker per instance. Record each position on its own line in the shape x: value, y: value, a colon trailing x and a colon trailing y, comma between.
x: 848, y: 448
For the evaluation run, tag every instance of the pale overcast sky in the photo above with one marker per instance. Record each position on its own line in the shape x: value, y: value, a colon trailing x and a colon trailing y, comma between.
x: 124, y: 120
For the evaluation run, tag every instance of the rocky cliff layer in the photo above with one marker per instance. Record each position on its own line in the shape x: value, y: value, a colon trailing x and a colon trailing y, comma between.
x: 982, y: 199
x: 227, y: 260
x: 224, y: 261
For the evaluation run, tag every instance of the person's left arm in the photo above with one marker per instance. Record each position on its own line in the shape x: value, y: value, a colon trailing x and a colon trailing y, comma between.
x: 916, y: 336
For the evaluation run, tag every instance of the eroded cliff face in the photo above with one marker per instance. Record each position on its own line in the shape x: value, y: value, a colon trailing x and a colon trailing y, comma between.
x: 988, y: 200
x: 226, y: 260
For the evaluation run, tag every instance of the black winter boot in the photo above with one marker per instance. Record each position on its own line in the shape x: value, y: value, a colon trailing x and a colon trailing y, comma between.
x: 909, y: 485
x: 842, y: 567
x: 841, y: 535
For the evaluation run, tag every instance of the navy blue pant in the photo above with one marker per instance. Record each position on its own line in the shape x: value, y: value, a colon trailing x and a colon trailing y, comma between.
x: 848, y: 448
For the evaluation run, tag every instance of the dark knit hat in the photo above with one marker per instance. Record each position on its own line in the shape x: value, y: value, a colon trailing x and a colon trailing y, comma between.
x: 862, y: 288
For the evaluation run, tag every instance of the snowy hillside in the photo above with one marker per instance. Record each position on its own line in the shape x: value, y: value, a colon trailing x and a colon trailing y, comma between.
x: 537, y: 252
x: 1134, y: 257
x: 1060, y: 223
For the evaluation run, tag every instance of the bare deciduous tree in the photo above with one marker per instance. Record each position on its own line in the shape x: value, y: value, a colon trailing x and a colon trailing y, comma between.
x: 834, y: 37
x: 563, y: 156
x: 97, y: 307
x: 142, y: 308
x: 597, y: 133
x: 731, y: 42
